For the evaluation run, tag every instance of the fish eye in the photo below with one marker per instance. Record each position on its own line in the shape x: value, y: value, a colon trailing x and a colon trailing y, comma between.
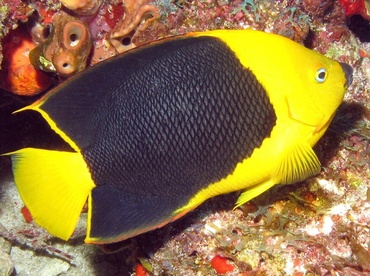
x: 321, y: 75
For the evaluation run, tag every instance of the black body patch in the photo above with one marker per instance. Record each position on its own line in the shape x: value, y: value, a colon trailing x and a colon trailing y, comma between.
x: 159, y: 124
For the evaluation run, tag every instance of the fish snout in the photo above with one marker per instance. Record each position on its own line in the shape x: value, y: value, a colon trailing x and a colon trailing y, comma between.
x: 347, y: 69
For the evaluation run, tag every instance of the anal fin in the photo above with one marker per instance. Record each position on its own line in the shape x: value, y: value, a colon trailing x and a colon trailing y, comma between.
x: 115, y: 215
x: 54, y: 185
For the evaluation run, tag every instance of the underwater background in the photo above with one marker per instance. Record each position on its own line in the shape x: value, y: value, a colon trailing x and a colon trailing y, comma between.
x: 316, y: 227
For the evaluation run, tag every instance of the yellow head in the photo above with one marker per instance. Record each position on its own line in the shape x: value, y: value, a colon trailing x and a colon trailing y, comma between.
x: 307, y: 87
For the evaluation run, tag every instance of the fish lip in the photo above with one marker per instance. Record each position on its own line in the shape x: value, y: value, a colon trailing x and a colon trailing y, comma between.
x: 348, y: 72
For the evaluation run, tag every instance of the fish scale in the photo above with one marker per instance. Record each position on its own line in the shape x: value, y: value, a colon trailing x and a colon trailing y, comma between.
x: 161, y: 129
x: 177, y: 141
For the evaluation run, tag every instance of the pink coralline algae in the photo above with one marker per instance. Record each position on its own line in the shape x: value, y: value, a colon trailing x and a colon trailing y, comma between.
x: 361, y: 7
x: 317, y: 227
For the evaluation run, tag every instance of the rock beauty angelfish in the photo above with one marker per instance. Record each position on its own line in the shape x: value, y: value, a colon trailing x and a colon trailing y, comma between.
x: 160, y: 129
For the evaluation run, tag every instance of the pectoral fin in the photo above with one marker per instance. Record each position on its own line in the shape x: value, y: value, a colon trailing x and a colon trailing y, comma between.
x: 296, y: 163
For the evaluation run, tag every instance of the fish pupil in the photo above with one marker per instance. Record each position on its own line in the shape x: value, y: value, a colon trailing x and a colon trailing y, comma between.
x: 321, y: 75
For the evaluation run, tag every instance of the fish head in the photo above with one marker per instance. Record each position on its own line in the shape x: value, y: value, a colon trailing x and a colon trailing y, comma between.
x: 304, y: 86
x: 317, y: 89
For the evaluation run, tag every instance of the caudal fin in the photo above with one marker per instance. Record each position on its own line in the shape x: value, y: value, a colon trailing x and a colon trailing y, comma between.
x: 54, y: 185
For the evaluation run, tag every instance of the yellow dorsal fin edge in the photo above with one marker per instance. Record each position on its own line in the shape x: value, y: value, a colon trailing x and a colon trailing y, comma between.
x: 36, y: 107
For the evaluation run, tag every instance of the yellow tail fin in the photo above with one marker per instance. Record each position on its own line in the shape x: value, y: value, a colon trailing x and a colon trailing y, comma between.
x: 54, y: 185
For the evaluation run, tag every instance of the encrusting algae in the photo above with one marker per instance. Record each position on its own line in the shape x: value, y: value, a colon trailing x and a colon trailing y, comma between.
x: 315, y: 227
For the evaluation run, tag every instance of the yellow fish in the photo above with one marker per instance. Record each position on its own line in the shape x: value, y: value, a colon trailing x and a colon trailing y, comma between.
x: 157, y: 131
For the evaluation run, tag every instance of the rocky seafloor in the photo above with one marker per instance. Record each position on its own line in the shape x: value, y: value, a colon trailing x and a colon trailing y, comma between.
x: 316, y: 227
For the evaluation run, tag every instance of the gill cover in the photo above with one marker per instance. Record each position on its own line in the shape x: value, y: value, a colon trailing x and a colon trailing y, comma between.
x: 301, y: 83
x: 159, y: 130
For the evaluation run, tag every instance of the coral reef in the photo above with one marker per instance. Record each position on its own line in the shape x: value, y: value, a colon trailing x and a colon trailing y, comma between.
x: 82, y: 7
x: 18, y: 74
x: 67, y: 47
x: 138, y: 16
x: 361, y: 7
x: 317, y: 227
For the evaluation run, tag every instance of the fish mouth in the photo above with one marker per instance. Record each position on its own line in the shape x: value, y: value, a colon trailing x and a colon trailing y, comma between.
x: 347, y: 69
